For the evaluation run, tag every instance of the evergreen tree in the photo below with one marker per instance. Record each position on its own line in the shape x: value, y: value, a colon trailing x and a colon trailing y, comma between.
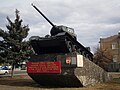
x: 13, y: 47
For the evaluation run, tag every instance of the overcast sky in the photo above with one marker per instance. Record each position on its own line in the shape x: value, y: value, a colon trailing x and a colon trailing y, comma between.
x: 91, y: 19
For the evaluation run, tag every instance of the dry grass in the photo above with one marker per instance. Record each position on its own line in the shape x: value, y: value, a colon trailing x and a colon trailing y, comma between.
x: 25, y: 83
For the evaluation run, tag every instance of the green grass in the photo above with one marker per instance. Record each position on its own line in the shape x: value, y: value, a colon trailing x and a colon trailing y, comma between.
x: 116, y: 80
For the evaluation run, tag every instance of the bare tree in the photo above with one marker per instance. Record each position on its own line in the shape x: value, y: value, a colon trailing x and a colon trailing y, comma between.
x: 102, y: 57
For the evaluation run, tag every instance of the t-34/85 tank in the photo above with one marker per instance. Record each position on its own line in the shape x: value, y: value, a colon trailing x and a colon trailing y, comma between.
x: 57, y: 55
x: 62, y: 40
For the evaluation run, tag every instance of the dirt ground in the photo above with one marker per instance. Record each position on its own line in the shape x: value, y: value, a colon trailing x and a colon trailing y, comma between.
x: 26, y: 83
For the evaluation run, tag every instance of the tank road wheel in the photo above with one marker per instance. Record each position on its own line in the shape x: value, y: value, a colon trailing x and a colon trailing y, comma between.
x: 90, y: 58
x: 83, y: 53
x: 74, y: 48
x: 79, y: 51
x: 87, y: 56
x: 69, y: 45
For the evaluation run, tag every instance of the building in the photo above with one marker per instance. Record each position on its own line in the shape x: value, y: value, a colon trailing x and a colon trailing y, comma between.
x: 112, y: 44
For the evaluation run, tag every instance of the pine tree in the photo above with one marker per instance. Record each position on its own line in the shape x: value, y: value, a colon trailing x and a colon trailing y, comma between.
x: 13, y: 47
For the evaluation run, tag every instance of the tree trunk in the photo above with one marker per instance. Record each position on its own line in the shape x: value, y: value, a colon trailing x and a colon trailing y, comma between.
x: 12, y: 71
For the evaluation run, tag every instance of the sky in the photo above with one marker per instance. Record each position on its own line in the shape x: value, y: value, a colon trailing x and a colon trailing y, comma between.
x: 91, y: 19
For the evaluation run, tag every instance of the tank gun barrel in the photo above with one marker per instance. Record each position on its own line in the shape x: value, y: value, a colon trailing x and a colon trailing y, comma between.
x: 43, y: 15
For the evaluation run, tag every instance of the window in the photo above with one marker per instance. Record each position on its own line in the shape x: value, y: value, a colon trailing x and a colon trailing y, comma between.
x: 101, y: 45
x: 114, y: 45
x: 115, y: 58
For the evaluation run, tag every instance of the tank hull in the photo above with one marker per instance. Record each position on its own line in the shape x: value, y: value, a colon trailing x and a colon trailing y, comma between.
x: 50, y: 45
x: 61, y: 43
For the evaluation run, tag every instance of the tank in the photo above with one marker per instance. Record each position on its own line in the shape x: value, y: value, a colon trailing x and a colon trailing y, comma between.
x: 63, y: 39
x: 56, y: 56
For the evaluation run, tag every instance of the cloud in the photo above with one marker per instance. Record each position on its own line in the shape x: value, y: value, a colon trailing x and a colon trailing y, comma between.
x: 90, y: 19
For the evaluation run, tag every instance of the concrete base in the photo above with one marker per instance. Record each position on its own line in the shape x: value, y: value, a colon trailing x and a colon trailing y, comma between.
x: 89, y: 74
x: 56, y: 80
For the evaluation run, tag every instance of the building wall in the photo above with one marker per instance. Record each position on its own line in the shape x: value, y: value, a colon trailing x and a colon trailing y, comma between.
x: 112, y: 44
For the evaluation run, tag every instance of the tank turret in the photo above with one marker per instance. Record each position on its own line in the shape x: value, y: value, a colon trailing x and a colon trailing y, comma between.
x: 57, y: 29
